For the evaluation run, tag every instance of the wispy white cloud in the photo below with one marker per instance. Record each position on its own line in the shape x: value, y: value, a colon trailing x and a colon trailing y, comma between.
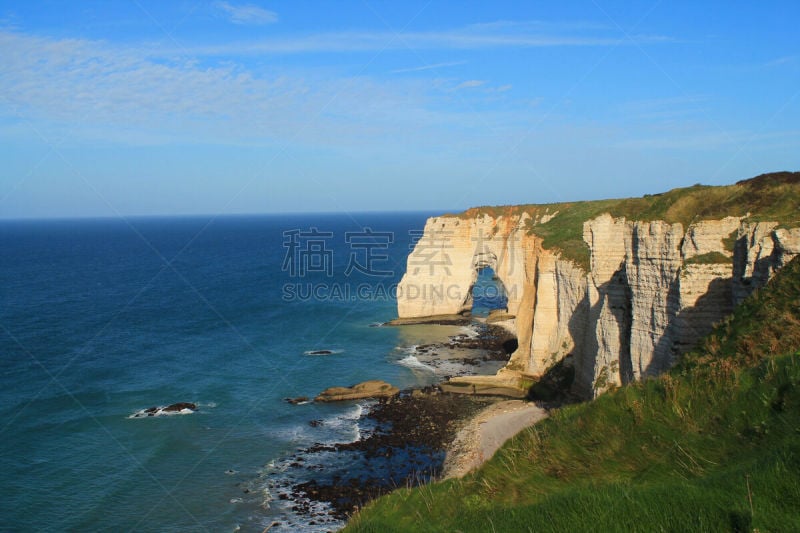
x: 751, y: 67
x: 9, y: 21
x: 469, y: 84
x: 96, y: 90
x: 482, y: 36
x: 780, y: 61
x: 542, y: 25
x: 247, y: 13
x: 434, y: 66
x: 658, y: 110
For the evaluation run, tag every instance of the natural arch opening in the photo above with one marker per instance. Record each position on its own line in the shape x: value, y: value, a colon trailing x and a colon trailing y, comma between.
x: 489, y: 304
x: 488, y: 293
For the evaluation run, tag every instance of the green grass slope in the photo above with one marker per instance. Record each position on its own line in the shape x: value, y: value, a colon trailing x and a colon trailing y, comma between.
x: 774, y: 196
x: 714, y: 445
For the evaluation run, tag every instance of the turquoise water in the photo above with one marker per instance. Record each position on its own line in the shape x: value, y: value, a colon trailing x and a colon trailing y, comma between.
x: 102, y: 318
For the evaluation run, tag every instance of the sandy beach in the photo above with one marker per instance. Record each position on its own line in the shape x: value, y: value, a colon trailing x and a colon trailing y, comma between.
x: 477, y: 442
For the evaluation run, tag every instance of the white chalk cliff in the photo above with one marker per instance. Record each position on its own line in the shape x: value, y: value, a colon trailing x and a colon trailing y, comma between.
x: 651, y: 290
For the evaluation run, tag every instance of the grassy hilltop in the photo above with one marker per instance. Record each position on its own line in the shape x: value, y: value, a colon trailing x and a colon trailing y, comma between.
x: 774, y: 196
x: 713, y: 445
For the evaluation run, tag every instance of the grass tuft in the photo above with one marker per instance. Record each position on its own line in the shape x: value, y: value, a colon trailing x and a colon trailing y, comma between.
x: 710, y: 258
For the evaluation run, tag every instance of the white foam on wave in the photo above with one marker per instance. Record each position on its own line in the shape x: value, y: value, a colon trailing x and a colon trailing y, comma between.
x: 283, y: 516
x: 413, y: 363
x: 410, y: 350
x: 275, y: 481
x: 469, y: 331
x: 338, y: 428
x: 160, y: 411
x: 296, y: 435
x: 346, y: 425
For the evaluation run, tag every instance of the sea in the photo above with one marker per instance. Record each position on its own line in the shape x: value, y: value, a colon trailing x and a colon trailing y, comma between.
x: 103, y: 319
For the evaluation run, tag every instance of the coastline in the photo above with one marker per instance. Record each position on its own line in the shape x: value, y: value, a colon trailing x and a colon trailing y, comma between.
x: 478, y: 440
x: 405, y: 447
x: 403, y: 438
x: 416, y: 436
x: 420, y: 436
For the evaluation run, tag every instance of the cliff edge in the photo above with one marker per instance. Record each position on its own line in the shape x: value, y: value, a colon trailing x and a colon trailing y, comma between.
x: 622, y: 286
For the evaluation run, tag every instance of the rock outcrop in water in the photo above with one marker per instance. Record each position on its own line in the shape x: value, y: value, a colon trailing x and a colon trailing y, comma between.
x: 369, y: 389
x: 650, y: 291
x: 180, y: 408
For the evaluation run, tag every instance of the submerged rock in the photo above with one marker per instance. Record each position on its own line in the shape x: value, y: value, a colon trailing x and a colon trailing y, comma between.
x: 297, y: 401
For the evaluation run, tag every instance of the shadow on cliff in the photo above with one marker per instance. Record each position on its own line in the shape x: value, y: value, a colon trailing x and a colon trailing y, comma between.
x: 598, y: 360
x: 762, y: 269
x: 691, y: 324
x: 694, y: 323
x: 664, y: 348
x: 554, y: 387
x: 614, y: 298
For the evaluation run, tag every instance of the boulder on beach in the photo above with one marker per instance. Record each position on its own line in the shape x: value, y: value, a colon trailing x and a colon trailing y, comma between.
x: 369, y: 389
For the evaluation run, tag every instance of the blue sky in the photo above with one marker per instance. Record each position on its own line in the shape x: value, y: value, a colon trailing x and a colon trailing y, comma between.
x: 149, y: 107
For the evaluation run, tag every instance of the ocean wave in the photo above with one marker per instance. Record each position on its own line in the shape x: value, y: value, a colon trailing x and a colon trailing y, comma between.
x: 410, y: 349
x: 339, y: 428
x: 470, y: 331
x: 413, y: 363
x: 168, y: 410
x: 347, y: 424
x: 276, y: 481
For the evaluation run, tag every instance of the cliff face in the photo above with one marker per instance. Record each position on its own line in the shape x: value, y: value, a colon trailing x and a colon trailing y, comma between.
x: 651, y: 290
x: 445, y: 261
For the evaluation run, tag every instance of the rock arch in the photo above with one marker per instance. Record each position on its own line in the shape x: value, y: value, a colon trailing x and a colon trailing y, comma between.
x: 444, y: 265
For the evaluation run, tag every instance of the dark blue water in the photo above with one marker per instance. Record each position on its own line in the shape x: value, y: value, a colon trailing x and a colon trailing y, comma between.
x: 102, y: 318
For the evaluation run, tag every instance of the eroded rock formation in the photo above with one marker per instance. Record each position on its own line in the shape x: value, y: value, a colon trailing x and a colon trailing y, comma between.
x: 651, y: 290
x: 368, y: 389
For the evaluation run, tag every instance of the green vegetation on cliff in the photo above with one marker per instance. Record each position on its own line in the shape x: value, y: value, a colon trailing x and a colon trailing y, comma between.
x: 774, y: 196
x: 713, y: 445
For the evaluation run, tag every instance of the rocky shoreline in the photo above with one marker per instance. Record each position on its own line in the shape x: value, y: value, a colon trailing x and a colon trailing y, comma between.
x: 407, y: 448
x: 482, y: 350
x: 411, y: 431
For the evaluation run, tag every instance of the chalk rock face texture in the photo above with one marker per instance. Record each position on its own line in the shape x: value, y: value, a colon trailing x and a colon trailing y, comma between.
x: 708, y: 236
x: 760, y: 251
x: 652, y: 289
x: 560, y: 291
x: 652, y: 263
x: 445, y: 261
